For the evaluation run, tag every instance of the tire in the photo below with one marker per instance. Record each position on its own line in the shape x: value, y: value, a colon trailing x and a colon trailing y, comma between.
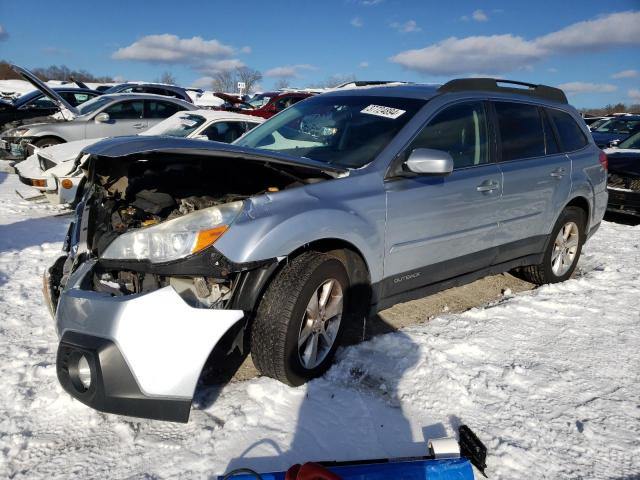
x: 283, y: 319
x: 47, y: 142
x: 573, y: 221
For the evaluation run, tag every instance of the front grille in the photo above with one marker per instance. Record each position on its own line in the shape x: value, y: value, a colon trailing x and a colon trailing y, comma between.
x: 624, y: 182
x: 45, y: 163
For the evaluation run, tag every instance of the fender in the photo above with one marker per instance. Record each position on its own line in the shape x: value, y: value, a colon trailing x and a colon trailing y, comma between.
x: 274, y: 226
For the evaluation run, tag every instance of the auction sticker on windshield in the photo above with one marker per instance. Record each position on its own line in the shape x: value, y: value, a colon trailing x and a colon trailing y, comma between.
x: 380, y: 111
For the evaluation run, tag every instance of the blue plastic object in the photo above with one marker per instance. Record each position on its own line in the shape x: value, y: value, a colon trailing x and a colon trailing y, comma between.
x: 446, y: 469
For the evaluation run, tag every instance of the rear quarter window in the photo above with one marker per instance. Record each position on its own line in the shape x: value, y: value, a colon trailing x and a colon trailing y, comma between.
x: 571, y: 135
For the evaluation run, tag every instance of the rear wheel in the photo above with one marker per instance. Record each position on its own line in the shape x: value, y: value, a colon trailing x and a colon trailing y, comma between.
x: 563, y: 250
x: 300, y: 319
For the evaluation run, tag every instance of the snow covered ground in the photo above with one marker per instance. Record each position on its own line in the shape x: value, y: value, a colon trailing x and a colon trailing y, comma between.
x: 548, y: 379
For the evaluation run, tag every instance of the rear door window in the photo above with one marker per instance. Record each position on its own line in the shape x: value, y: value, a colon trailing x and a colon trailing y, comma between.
x: 521, y: 133
x: 225, y: 132
x: 160, y: 109
x: 571, y: 135
x: 550, y: 142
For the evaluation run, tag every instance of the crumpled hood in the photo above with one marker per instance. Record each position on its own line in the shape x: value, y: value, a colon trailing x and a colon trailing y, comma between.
x: 131, y: 145
x: 65, y: 152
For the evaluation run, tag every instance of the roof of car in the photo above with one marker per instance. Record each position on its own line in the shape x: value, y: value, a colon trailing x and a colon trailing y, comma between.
x: 142, y: 96
x: 414, y: 90
x: 222, y: 114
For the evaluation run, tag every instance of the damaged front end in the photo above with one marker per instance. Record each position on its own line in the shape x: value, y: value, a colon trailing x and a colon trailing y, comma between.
x: 143, y: 296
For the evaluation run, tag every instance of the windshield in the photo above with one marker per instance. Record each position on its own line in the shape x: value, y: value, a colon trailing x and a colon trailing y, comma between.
x: 27, y: 97
x: 180, y: 125
x: 93, y: 105
x: 340, y: 130
x: 115, y: 88
x: 631, y: 142
x: 619, y: 125
x: 259, y: 100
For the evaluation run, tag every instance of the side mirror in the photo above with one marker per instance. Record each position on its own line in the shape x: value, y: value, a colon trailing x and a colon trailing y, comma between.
x: 102, y: 117
x: 200, y: 137
x: 426, y: 161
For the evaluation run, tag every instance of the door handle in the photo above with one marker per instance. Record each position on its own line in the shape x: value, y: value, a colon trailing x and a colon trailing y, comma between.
x: 488, y: 186
x: 138, y: 125
x: 558, y: 173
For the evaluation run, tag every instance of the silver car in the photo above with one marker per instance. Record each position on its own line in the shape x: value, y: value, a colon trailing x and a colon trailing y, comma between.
x: 104, y: 116
x: 340, y: 206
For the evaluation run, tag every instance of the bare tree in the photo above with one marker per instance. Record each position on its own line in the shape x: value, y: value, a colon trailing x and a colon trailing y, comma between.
x: 167, y: 77
x: 249, y: 76
x: 333, y: 81
x: 282, y: 83
x: 224, y: 81
x: 227, y: 80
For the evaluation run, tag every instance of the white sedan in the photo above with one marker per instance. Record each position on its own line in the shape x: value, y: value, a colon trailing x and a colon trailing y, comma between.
x: 53, y: 170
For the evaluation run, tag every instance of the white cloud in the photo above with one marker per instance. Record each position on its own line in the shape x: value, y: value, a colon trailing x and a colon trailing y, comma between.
x: 507, y: 52
x: 409, y: 26
x: 213, y: 66
x: 370, y: 3
x: 476, y: 16
x: 625, y: 74
x: 363, y: 65
x: 168, y: 48
x: 479, y: 16
x: 616, y: 29
x: 574, y: 88
x: 3, y: 33
x: 482, y: 54
x: 552, y: 70
x: 357, y: 22
x: 288, y: 71
x: 202, y: 82
x: 634, y: 94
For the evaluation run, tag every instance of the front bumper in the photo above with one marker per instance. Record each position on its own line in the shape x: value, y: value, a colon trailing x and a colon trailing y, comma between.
x: 146, y: 350
x: 624, y: 201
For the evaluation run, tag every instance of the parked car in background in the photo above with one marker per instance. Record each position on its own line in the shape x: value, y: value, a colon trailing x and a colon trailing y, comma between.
x: 592, y: 120
x: 106, y: 116
x: 154, y: 88
x: 624, y: 176
x: 37, y: 105
x: 265, y: 104
x: 339, y: 206
x: 616, y: 129
x: 53, y: 170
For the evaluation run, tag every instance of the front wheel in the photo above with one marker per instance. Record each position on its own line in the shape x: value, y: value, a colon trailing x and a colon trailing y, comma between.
x: 300, y: 319
x: 563, y: 250
x: 47, y: 142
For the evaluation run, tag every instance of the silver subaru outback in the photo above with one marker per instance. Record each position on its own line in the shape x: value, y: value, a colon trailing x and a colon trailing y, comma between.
x: 340, y: 206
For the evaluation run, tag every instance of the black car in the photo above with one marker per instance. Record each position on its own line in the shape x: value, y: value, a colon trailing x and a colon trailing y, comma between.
x: 155, y: 88
x: 35, y: 104
x: 624, y: 177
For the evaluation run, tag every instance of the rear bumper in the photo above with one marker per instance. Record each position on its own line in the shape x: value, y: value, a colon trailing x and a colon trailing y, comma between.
x: 624, y: 201
x: 154, y: 342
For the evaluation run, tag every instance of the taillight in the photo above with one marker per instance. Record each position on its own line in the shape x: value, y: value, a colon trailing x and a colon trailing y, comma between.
x: 604, y: 161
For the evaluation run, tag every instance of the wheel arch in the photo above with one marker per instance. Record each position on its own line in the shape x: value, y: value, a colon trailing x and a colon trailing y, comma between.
x: 583, y: 204
x: 50, y: 136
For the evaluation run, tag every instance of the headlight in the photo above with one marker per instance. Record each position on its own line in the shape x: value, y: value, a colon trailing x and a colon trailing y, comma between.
x: 176, y: 238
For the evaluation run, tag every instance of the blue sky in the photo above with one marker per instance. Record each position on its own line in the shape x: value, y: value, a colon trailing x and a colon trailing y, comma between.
x: 588, y: 47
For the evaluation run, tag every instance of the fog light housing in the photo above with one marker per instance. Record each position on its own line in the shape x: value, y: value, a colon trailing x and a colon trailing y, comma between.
x: 81, y: 371
x: 66, y: 183
x: 84, y: 372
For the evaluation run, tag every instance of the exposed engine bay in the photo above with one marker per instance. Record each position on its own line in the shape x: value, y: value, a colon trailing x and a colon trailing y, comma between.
x: 129, y: 194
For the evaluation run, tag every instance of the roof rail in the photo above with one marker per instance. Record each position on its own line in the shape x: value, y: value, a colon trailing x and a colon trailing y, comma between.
x: 493, y: 85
